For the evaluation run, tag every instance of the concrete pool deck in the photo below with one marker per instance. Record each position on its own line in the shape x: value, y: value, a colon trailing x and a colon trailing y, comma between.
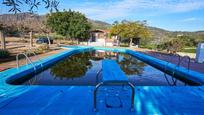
x: 22, y: 99
x: 199, y: 67
x: 12, y: 64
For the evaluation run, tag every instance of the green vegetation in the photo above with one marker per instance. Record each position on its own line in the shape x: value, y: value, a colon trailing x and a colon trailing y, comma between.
x: 172, y: 46
x: 4, y: 53
x: 130, y: 30
x: 73, y: 67
x: 71, y: 24
x: 180, y: 43
x: 131, y: 66
x: 189, y: 50
x: 42, y: 48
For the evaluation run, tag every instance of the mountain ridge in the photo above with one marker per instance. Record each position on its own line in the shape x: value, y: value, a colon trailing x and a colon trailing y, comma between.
x: 36, y: 22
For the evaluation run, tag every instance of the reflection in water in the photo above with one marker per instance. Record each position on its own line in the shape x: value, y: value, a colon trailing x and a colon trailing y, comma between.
x: 77, y: 65
x: 72, y: 67
x: 81, y: 69
x: 131, y: 65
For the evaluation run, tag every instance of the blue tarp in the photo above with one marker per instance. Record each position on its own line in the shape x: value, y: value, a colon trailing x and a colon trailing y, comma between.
x: 111, y: 71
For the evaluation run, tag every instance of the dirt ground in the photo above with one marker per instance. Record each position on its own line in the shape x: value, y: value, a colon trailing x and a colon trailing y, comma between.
x: 12, y: 64
x: 17, y: 45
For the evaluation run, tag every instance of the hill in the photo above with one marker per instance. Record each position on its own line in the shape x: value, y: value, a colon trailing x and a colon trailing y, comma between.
x: 160, y: 35
x: 35, y: 22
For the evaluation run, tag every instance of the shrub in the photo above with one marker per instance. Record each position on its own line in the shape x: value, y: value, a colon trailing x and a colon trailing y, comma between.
x: 42, y: 48
x: 149, y: 46
x: 4, y: 53
x: 172, y: 46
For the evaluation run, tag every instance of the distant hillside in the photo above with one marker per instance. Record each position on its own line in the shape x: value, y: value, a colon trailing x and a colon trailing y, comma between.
x: 161, y: 35
x: 36, y: 23
x: 99, y: 24
x: 34, y: 20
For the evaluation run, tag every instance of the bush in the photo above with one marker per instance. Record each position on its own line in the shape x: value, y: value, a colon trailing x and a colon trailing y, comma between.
x: 4, y: 53
x: 42, y: 48
x: 150, y: 46
x: 189, y: 50
x: 172, y: 46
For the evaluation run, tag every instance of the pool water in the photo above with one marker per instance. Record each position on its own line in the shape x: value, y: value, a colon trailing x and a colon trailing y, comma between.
x: 82, y: 69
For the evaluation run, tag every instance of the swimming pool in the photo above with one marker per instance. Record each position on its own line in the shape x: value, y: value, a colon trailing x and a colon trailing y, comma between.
x: 20, y: 75
x: 42, y: 99
x: 82, y: 69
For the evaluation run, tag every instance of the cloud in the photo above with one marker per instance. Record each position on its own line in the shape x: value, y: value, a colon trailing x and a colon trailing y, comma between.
x: 110, y: 10
x: 192, y: 19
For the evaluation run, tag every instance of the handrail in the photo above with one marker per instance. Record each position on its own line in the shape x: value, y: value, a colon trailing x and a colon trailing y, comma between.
x: 30, y: 52
x: 106, y: 83
x: 27, y: 59
x: 165, y: 69
x: 189, y: 60
x: 97, y: 75
x: 172, y: 78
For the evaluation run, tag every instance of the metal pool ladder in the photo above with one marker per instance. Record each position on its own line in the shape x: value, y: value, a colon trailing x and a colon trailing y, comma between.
x: 178, y: 65
x: 189, y: 61
x: 174, y: 80
x: 30, y: 52
x: 112, y: 76
x: 28, y: 59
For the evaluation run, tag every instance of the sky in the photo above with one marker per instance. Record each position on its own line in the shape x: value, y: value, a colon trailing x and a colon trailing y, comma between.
x: 173, y: 15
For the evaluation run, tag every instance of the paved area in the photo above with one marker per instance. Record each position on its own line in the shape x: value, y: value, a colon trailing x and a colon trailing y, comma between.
x: 12, y: 64
x: 199, y: 67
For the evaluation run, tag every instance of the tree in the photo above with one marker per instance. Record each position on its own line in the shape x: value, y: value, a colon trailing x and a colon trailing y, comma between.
x: 71, y: 24
x: 16, y: 6
x: 173, y: 46
x: 130, y: 30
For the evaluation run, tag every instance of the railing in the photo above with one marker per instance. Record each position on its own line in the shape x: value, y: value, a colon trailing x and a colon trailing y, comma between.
x: 27, y: 60
x: 30, y: 52
x: 189, y: 61
x: 180, y: 59
x: 173, y: 79
x: 113, y: 83
x: 97, y: 75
